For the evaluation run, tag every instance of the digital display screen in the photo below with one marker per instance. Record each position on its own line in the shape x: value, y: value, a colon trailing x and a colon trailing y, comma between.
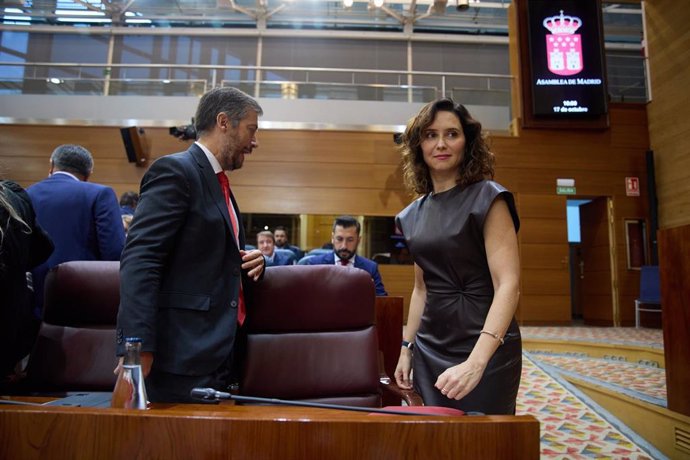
x: 566, y: 54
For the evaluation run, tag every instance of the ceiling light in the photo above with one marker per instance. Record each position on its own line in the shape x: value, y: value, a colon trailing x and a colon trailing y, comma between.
x: 85, y: 20
x: 348, y: 3
x: 378, y: 3
x: 16, y: 18
x: 78, y: 13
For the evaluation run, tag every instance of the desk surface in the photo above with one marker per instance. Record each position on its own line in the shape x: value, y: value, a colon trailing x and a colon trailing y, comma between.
x: 261, y: 432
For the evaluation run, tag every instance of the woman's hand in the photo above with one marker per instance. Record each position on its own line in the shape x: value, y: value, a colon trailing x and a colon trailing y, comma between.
x: 457, y: 381
x: 403, y: 369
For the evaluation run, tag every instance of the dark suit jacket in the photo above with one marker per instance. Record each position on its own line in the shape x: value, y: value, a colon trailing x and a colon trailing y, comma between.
x: 82, y: 218
x: 360, y: 262
x: 181, y: 268
x: 281, y: 257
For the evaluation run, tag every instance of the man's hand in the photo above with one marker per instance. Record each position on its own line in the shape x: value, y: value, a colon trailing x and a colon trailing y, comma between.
x: 146, y: 363
x: 254, y: 262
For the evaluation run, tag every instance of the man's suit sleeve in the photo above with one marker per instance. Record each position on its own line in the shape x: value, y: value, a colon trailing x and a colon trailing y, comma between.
x: 109, y: 228
x: 162, y: 208
x: 380, y: 290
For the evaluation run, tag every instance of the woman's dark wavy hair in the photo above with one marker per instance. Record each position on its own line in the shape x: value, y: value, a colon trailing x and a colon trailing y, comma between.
x: 477, y: 161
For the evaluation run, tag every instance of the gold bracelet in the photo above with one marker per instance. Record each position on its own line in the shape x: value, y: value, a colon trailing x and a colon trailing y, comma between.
x: 494, y: 335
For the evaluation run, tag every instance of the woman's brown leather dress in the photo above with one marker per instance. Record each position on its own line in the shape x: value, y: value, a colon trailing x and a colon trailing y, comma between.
x: 444, y: 233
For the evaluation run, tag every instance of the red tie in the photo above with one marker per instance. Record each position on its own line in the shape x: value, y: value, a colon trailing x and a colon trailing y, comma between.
x: 344, y: 262
x: 225, y: 186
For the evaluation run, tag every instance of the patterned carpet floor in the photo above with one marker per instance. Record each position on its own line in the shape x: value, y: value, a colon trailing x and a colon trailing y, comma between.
x: 572, y: 425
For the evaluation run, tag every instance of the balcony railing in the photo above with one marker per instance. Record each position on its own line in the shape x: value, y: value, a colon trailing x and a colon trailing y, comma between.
x: 626, y: 82
x: 268, y: 82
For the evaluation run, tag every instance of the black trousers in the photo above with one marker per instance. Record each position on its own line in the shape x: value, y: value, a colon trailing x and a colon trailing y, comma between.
x: 175, y: 388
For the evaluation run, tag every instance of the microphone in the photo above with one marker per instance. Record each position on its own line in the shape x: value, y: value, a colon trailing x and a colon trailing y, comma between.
x: 209, y: 394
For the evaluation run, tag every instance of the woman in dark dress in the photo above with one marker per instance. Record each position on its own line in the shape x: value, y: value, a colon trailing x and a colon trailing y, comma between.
x: 461, y: 341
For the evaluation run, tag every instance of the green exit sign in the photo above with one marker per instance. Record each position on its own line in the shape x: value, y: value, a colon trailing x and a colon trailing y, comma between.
x: 560, y: 190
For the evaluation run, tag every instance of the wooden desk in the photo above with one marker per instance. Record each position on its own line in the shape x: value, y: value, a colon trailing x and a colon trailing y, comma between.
x: 257, y: 432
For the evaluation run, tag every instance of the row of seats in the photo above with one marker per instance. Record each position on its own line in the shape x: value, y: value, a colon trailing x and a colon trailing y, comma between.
x: 311, y: 335
x: 303, y: 260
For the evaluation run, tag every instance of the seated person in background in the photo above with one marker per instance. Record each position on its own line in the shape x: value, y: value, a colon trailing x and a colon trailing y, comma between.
x: 128, y: 203
x: 280, y: 234
x: 345, y: 239
x: 266, y: 244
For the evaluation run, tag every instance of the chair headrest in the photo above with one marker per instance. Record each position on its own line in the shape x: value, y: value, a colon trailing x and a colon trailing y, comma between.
x: 312, y: 298
x: 82, y: 293
x: 650, y: 283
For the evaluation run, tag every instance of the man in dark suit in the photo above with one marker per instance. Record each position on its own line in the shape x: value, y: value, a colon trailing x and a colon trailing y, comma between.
x: 274, y: 257
x: 184, y: 266
x: 345, y: 239
x: 82, y: 218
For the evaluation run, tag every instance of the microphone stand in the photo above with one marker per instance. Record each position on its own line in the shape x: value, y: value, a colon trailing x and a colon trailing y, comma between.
x: 209, y: 394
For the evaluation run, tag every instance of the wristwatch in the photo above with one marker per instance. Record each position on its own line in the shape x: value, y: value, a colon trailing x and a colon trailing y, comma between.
x: 408, y: 345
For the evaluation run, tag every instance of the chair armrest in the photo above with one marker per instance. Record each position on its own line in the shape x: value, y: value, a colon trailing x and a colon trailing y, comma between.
x: 410, y: 397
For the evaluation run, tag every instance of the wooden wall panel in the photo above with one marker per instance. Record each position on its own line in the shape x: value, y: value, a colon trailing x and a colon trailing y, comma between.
x: 541, y: 206
x: 598, y: 311
x: 340, y: 172
x: 674, y: 272
x: 544, y: 256
x: 548, y: 231
x: 669, y: 111
x: 544, y: 282
x: 399, y: 281
x: 317, y: 200
x: 544, y: 309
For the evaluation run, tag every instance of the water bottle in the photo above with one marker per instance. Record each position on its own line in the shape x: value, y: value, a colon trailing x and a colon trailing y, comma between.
x: 130, y: 391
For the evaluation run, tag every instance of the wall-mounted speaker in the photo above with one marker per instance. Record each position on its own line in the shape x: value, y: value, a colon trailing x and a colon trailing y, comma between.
x: 136, y: 145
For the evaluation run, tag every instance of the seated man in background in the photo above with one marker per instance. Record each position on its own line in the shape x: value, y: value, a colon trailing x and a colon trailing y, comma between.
x: 345, y: 239
x: 280, y: 234
x: 265, y: 242
x: 128, y: 203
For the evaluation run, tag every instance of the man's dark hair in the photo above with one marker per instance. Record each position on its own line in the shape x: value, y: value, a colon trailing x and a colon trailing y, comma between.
x: 231, y: 101
x: 347, y: 222
x: 74, y: 159
x: 129, y: 199
x: 281, y: 227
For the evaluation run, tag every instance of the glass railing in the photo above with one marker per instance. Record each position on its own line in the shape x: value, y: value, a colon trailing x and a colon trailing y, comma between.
x: 304, y: 83
x: 626, y: 82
